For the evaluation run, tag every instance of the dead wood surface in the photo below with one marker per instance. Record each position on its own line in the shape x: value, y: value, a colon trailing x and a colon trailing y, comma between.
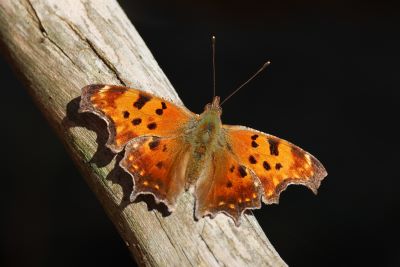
x: 57, y: 47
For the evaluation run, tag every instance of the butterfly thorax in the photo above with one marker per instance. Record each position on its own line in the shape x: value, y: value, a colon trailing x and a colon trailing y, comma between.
x: 204, y: 138
x: 207, y: 128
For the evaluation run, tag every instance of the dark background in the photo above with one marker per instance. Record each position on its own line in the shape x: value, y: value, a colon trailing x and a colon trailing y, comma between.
x: 332, y: 89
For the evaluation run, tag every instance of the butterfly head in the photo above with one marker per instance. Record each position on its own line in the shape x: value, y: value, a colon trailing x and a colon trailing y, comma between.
x: 214, y: 107
x: 211, y: 117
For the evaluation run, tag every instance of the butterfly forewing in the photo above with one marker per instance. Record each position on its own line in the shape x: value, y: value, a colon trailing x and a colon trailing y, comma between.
x: 276, y: 162
x: 130, y: 113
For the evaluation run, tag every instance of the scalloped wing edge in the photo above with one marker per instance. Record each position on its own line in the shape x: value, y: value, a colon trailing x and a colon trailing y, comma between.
x: 86, y: 105
x: 313, y: 183
x: 237, y: 221
x: 135, y: 193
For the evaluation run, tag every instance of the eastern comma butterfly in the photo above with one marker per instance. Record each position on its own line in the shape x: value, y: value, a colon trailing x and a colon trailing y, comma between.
x: 169, y: 149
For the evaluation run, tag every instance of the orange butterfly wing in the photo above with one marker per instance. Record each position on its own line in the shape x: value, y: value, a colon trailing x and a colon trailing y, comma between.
x: 157, y: 166
x: 276, y: 162
x: 152, y: 130
x: 130, y: 113
x: 247, y: 166
x: 227, y: 187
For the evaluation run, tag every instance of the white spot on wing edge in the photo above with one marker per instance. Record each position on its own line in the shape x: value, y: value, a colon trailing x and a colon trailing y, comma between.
x: 105, y: 88
x: 308, y: 158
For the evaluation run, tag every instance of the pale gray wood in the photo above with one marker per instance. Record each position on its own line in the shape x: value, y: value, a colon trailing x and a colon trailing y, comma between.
x: 58, y: 47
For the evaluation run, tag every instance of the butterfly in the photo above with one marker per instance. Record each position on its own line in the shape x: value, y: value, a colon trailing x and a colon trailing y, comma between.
x: 169, y: 149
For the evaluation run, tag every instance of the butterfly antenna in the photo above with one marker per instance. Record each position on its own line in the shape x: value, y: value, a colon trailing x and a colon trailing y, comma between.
x: 213, y: 62
x: 266, y: 64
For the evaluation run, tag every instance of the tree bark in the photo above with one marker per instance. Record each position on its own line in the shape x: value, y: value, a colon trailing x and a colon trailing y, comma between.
x: 57, y: 47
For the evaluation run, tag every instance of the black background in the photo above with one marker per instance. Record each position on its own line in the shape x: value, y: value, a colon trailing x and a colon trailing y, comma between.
x: 332, y: 89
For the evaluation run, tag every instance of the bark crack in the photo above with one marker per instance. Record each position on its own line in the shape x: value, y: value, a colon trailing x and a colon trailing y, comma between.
x: 209, y: 249
x: 186, y: 256
x: 105, y: 61
x: 34, y: 14
x: 166, y: 233
x: 98, y: 53
x: 45, y: 34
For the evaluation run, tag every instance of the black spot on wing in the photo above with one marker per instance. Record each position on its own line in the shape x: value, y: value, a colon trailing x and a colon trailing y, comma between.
x: 242, y: 171
x: 232, y: 168
x: 266, y: 166
x: 154, y: 144
x: 254, y: 137
x: 254, y: 144
x: 163, y: 105
x: 141, y: 101
x: 159, y: 111
x: 229, y: 184
x: 273, y: 146
x: 159, y: 164
x: 278, y: 166
x: 137, y: 121
x: 252, y: 159
x: 125, y: 114
x: 152, y: 126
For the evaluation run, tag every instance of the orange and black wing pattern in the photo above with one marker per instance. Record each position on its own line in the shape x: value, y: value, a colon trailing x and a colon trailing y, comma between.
x: 276, y: 162
x: 157, y: 166
x: 130, y: 113
x: 228, y: 187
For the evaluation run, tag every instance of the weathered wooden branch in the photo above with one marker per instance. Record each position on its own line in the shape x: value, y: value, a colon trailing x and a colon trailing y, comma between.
x: 57, y: 47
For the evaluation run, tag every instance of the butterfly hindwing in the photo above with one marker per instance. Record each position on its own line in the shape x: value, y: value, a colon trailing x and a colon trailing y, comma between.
x: 227, y: 187
x: 276, y: 162
x: 130, y: 113
x: 157, y: 166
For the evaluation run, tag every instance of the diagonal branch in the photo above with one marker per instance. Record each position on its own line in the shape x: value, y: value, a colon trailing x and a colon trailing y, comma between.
x: 58, y: 47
